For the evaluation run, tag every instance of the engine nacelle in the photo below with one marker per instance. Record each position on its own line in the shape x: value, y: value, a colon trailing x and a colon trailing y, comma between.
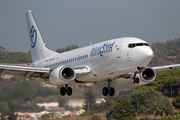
x: 62, y: 75
x: 146, y: 75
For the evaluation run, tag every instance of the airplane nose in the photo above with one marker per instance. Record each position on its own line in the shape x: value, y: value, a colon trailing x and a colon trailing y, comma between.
x: 147, y: 55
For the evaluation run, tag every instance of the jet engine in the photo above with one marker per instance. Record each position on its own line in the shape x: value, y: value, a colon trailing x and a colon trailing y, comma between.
x: 62, y: 75
x: 144, y: 76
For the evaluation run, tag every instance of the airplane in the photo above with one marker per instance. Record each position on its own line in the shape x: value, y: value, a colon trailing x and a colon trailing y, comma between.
x: 126, y: 57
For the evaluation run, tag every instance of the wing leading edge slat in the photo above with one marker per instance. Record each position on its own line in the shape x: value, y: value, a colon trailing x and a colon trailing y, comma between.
x: 166, y: 67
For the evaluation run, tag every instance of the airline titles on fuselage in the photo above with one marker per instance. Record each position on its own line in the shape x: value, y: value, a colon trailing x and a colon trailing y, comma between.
x: 102, y: 49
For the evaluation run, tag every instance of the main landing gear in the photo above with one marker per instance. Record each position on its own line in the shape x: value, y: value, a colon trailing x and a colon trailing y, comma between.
x: 108, y: 90
x: 65, y: 90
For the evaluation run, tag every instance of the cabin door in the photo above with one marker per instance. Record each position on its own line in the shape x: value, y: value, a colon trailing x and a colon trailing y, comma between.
x: 118, y: 50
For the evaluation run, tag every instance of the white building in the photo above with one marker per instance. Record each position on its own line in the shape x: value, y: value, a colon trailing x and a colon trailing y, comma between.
x: 49, y: 105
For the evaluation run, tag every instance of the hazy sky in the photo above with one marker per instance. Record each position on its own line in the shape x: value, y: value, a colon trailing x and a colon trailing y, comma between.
x: 67, y: 22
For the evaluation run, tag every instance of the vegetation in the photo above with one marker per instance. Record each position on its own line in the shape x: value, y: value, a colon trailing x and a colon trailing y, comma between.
x: 146, y: 100
x: 168, y: 82
x: 19, y: 57
x: 173, y: 117
x: 166, y: 53
x: 22, y: 95
x: 47, y: 116
x: 143, y: 100
x: 15, y: 57
x: 176, y: 101
x: 70, y: 47
x: 122, y: 110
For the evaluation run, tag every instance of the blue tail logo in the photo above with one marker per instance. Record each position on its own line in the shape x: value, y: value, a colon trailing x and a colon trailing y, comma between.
x: 33, y: 35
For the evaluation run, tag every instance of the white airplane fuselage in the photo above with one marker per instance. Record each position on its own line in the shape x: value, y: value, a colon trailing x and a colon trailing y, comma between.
x: 106, y: 60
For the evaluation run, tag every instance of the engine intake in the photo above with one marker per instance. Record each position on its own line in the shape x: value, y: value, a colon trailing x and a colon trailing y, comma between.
x: 67, y: 73
x: 143, y: 76
x: 62, y: 75
x: 148, y: 74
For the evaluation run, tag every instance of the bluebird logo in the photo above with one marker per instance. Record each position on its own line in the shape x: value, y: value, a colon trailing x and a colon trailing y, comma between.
x: 33, y: 35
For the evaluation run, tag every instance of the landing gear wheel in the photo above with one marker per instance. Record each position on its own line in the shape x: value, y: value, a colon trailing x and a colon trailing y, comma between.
x: 63, y: 91
x: 133, y: 80
x: 69, y: 91
x: 105, y: 91
x: 137, y: 80
x: 111, y: 91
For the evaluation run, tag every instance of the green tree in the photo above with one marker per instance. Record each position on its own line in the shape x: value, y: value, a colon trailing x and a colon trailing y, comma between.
x: 146, y: 100
x: 5, y: 111
x: 167, y: 82
x: 122, y: 110
x: 70, y: 47
x: 176, y: 101
x: 142, y: 97
x: 47, y: 116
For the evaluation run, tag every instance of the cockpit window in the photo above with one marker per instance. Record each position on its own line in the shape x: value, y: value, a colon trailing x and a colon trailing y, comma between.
x: 146, y: 44
x: 132, y: 45
x: 139, y: 44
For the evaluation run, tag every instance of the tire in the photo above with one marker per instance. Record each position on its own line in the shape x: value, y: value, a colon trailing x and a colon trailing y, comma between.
x: 137, y: 80
x: 111, y: 91
x: 69, y: 91
x: 63, y: 91
x: 105, y: 91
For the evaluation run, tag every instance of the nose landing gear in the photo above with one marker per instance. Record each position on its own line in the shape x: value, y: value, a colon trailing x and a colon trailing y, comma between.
x: 108, y: 90
x: 135, y: 79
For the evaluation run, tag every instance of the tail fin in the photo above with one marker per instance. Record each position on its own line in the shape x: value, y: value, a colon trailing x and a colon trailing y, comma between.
x: 38, y: 48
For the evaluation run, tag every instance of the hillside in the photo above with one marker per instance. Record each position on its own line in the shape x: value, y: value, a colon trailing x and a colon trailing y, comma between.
x: 166, y: 53
x: 2, y: 49
x: 20, y: 94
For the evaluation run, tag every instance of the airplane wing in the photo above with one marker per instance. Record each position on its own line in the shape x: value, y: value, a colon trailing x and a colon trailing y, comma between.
x: 166, y: 67
x: 29, y: 71
x: 42, y: 73
x: 25, y: 71
x: 157, y: 68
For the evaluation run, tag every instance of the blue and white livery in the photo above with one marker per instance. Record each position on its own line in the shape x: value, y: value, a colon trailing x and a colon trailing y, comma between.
x: 105, y: 61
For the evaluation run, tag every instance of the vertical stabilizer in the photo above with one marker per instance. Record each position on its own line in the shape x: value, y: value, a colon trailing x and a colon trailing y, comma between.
x: 38, y: 48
